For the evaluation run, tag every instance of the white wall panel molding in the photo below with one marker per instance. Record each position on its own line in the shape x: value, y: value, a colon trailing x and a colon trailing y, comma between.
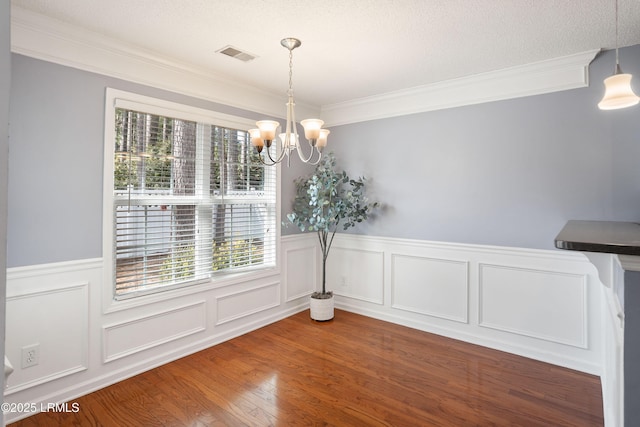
x: 356, y: 273
x: 300, y: 264
x: 219, y: 284
x: 50, y: 270
x: 236, y: 305
x: 547, y: 305
x: 145, y: 332
x: 425, y: 247
x: 65, y: 319
x: 431, y: 286
x: 120, y: 371
x: 232, y: 311
x: 553, y: 75
x: 44, y: 38
x: 542, y: 304
x: 84, y: 349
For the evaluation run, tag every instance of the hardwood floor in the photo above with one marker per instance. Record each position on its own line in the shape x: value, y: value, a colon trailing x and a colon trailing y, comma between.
x: 352, y: 371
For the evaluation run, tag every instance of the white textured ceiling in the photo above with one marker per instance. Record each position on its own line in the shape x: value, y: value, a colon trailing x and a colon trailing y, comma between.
x: 353, y: 48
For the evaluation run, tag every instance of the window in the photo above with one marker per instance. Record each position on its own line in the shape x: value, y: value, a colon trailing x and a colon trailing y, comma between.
x: 190, y: 199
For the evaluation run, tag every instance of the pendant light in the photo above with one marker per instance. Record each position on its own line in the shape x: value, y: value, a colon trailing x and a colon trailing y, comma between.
x: 618, y: 92
x: 264, y: 138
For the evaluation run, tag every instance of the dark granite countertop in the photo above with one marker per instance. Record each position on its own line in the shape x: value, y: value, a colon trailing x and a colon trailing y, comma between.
x: 600, y: 236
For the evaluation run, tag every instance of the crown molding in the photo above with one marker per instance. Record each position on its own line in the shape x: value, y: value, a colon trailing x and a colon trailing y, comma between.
x: 41, y: 37
x: 44, y: 38
x: 554, y: 75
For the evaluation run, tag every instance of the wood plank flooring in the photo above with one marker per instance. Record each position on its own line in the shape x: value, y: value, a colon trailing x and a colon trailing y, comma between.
x: 352, y: 371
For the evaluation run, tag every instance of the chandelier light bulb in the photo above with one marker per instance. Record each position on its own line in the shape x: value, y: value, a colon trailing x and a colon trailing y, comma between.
x: 312, y: 129
x: 322, y: 139
x: 256, y: 140
x: 267, y: 130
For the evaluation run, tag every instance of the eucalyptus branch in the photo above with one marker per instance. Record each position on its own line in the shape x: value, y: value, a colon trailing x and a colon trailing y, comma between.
x: 333, y: 235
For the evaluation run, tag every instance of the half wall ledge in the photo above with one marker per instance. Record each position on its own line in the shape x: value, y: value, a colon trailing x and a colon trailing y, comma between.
x: 622, y: 241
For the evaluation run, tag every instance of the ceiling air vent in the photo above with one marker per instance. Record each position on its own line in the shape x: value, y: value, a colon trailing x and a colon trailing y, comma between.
x: 236, y: 53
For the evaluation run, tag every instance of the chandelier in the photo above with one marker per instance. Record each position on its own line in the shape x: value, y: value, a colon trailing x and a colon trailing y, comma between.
x: 618, y: 92
x: 264, y: 138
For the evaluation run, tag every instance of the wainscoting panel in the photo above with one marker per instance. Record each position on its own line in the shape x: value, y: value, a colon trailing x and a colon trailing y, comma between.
x: 301, y: 271
x: 434, y: 287
x: 243, y: 303
x: 356, y: 273
x: 498, y: 297
x: 541, y: 304
x: 48, y: 307
x: 142, y: 333
x: 83, y: 347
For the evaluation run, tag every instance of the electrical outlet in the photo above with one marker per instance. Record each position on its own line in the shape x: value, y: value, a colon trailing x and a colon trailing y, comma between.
x: 343, y: 282
x: 30, y: 355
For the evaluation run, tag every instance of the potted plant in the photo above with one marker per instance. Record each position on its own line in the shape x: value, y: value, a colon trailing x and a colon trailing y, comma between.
x: 324, y: 201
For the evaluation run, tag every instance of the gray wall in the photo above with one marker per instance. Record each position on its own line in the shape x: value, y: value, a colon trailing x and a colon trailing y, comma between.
x: 505, y: 173
x: 55, y: 191
x: 502, y: 173
x: 5, y: 89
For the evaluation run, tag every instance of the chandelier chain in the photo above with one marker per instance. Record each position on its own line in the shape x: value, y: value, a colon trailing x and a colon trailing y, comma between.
x: 290, y: 69
x: 617, y: 62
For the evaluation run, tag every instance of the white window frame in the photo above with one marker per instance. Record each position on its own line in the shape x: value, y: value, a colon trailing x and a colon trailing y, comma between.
x: 127, y: 100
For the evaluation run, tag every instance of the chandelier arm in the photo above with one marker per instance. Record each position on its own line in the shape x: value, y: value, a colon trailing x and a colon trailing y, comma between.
x: 279, y: 158
x: 295, y: 130
x: 262, y: 159
x: 269, y: 155
x: 283, y: 152
x: 310, y: 154
x: 263, y: 162
x: 319, y: 157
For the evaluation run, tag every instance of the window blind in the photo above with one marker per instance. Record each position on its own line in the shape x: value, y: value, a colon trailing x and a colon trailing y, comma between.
x: 191, y: 201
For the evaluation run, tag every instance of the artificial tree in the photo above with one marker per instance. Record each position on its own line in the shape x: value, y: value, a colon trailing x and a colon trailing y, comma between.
x: 325, y: 200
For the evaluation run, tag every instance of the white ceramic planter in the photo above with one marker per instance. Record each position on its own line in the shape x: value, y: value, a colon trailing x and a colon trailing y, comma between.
x: 321, y: 309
